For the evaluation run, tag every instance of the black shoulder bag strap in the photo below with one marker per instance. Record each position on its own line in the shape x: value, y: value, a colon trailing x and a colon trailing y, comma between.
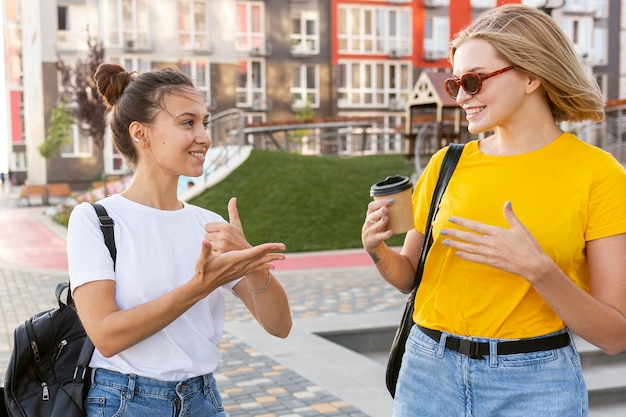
x: 106, y: 224
x: 450, y: 159
x: 394, y: 361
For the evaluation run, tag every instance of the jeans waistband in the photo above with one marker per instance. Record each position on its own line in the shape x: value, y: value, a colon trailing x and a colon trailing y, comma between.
x: 143, y: 385
x: 477, y: 350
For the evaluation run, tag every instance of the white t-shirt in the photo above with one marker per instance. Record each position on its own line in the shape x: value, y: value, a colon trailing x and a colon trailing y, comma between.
x: 156, y: 252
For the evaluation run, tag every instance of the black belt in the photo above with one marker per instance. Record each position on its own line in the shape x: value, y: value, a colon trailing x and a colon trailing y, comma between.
x: 477, y: 350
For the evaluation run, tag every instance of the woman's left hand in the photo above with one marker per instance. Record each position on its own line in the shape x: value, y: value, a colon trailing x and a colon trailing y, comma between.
x: 226, y: 237
x: 513, y: 250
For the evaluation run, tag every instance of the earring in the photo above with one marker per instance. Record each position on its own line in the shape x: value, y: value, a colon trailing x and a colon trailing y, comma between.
x: 137, y: 140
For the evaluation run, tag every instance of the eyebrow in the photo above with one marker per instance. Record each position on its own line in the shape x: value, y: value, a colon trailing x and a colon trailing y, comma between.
x: 192, y: 115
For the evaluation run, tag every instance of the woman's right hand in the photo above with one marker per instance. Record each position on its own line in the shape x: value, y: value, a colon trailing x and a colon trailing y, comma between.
x: 374, y: 231
x: 214, y: 270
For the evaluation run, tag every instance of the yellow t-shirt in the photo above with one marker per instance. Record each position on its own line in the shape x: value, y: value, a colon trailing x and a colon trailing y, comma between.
x: 565, y: 193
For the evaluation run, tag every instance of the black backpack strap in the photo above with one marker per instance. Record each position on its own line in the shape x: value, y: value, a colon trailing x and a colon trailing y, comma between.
x: 450, y: 159
x: 106, y: 224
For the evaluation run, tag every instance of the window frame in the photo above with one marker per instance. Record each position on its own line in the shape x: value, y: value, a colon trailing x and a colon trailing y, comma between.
x: 136, y: 35
x: 372, y: 30
x: 193, y: 32
x: 301, y: 93
x: 301, y: 41
x: 245, y: 38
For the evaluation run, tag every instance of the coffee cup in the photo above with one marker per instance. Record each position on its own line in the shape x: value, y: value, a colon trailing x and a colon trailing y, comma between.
x: 400, y: 212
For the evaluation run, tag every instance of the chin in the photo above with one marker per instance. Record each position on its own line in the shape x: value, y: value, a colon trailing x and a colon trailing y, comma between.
x: 475, y: 130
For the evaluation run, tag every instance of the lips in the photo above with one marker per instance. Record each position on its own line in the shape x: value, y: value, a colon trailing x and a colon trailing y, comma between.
x: 198, y: 154
x: 473, y: 110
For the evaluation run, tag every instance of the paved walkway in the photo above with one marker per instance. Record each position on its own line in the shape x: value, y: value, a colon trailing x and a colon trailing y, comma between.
x: 304, y: 375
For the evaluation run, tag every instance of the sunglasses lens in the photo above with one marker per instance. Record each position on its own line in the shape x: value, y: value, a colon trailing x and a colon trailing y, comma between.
x: 452, y: 88
x: 471, y: 83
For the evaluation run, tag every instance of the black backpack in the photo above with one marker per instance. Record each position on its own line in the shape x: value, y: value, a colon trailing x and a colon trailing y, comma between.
x: 48, y: 374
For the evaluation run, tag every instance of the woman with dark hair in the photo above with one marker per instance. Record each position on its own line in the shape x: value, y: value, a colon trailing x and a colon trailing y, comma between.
x: 156, y: 316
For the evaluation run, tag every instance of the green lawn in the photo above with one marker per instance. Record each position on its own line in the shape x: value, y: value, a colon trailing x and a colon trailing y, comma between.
x: 310, y: 203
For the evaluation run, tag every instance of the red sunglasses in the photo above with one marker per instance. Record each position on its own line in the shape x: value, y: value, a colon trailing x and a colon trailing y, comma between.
x: 471, y: 82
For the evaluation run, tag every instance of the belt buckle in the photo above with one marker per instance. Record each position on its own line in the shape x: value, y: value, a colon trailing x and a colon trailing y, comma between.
x: 469, y: 348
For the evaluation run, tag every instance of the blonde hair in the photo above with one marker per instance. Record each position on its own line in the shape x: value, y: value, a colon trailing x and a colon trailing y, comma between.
x: 532, y: 42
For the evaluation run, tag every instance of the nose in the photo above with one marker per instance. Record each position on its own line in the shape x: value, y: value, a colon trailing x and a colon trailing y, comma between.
x: 205, y: 137
x: 462, y: 96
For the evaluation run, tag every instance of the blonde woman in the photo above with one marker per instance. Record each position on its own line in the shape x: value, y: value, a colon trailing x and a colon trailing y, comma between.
x: 530, y: 238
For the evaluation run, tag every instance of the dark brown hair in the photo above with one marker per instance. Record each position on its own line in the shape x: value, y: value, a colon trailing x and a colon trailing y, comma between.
x: 132, y: 97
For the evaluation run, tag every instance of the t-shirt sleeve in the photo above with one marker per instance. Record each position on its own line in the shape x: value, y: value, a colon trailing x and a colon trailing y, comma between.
x: 88, y: 257
x: 607, y: 201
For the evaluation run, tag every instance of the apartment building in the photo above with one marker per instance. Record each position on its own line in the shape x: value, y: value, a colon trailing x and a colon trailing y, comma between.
x: 271, y: 59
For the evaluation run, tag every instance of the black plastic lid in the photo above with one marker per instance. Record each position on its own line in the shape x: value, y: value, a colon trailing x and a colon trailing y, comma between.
x: 391, y: 185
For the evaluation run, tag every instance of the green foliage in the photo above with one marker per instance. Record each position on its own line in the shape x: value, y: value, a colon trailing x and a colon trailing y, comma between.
x: 305, y: 113
x: 58, y: 134
x: 310, y: 203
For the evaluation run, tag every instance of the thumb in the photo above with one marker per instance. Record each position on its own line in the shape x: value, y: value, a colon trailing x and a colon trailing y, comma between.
x: 233, y: 213
x: 510, y: 216
x: 206, y: 250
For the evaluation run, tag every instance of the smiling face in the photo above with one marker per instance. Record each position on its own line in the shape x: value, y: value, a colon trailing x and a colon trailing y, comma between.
x: 500, y: 97
x: 177, y: 141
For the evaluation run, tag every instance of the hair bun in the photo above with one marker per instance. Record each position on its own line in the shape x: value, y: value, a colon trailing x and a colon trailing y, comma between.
x: 111, y: 80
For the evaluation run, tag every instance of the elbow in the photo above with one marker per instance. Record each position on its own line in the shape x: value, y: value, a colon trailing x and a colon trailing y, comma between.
x: 106, y: 351
x: 281, y: 331
x: 105, y: 347
x: 613, y: 349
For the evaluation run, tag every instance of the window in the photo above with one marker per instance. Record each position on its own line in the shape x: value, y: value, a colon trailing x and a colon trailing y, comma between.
x: 580, y: 31
x: 375, y: 30
x: 64, y: 35
x: 192, y: 21
x: 483, y: 4
x: 372, y: 84
x: 131, y: 63
x: 305, y: 86
x: 250, y: 26
x: 198, y: 71
x: 81, y: 145
x: 63, y: 22
x: 115, y: 163
x: 126, y: 24
x: 305, y: 37
x: 250, y: 88
x: 436, y: 33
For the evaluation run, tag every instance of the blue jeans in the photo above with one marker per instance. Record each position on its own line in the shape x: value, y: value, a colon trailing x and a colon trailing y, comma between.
x: 435, y: 381
x: 117, y: 395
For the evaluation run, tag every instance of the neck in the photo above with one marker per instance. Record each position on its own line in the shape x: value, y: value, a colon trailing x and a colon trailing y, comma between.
x: 156, y: 193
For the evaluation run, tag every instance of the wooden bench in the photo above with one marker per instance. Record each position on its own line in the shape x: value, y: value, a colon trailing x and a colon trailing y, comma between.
x: 29, y: 191
x: 61, y: 191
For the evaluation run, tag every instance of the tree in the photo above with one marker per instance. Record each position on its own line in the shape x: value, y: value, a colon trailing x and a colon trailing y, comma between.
x: 58, y: 133
x: 79, y: 87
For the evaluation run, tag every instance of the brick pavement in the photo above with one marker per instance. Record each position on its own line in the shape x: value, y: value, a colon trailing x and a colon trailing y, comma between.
x: 252, y: 383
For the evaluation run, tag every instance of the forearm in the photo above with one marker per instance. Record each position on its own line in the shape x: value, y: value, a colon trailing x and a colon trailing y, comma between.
x: 597, y: 322
x: 269, y: 303
x: 394, y: 267
x: 121, y: 329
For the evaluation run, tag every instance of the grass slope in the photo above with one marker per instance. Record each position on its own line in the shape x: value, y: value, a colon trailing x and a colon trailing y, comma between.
x: 310, y: 203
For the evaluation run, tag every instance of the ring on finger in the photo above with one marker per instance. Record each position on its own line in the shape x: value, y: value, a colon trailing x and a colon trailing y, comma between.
x: 371, y: 219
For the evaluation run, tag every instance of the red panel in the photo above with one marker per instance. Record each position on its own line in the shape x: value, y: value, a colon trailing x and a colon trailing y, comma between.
x: 16, y: 119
